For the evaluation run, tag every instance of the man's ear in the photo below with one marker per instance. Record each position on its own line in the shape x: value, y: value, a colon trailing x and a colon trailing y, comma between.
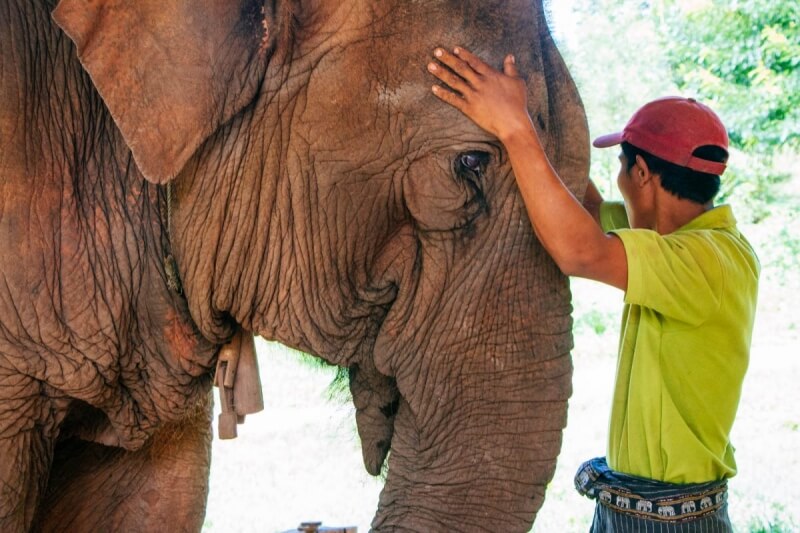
x: 170, y: 72
x: 641, y: 173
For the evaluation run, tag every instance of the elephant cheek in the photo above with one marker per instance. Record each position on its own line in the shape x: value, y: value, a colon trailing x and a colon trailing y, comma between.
x: 436, y: 200
x: 400, y: 265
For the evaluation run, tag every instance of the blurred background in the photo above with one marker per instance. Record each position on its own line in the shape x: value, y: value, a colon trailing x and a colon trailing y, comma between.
x: 300, y: 459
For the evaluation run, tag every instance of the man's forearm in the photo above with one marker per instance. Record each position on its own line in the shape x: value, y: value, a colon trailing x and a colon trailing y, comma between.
x: 566, y: 230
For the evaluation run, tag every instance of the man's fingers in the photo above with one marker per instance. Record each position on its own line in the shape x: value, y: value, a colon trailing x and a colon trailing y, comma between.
x: 473, y: 61
x: 510, y: 66
x: 457, y: 65
x: 448, y: 77
x: 449, y: 97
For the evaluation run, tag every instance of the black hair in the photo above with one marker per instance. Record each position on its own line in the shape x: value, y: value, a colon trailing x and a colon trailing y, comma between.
x: 683, y: 182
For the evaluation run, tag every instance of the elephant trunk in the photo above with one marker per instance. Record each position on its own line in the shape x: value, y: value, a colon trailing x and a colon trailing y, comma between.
x: 480, y: 354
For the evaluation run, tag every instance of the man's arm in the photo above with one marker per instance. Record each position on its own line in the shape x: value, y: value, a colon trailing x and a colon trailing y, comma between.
x: 568, y: 232
x: 592, y: 200
x: 497, y: 102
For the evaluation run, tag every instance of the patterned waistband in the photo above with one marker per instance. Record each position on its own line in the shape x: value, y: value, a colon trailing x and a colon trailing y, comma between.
x: 646, y: 498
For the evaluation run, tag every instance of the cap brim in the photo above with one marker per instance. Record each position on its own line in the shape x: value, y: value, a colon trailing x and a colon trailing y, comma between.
x: 607, y: 141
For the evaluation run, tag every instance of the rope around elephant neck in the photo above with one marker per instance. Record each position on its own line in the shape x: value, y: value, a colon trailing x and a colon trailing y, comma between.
x: 236, y: 373
x: 170, y: 265
x: 169, y: 208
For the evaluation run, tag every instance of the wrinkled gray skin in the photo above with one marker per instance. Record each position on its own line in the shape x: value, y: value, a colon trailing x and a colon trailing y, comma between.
x: 320, y: 199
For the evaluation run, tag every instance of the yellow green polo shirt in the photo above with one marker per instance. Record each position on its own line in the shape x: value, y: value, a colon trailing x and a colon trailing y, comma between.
x: 684, y: 349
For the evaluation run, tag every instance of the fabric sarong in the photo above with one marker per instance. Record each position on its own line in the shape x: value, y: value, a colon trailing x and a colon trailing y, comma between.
x: 633, y: 504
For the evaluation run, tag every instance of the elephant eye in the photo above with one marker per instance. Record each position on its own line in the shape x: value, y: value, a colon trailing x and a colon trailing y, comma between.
x: 469, y: 169
x: 471, y: 165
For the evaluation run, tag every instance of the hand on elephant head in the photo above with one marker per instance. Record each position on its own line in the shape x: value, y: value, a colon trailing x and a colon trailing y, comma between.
x: 496, y: 101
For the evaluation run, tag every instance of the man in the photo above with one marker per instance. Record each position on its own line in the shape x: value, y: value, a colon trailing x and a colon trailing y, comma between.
x: 690, y: 281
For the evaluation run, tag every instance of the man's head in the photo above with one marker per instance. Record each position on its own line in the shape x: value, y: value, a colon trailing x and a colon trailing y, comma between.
x: 678, y: 139
x: 683, y: 182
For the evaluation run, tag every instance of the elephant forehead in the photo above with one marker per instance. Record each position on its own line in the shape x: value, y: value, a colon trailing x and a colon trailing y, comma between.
x: 371, y: 54
x: 354, y: 106
x: 368, y: 72
x: 403, y: 95
x: 492, y: 28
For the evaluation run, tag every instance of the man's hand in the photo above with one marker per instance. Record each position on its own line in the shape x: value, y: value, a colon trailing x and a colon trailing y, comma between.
x: 496, y: 101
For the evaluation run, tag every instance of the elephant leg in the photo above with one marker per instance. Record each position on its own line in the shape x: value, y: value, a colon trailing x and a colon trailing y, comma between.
x: 25, y: 449
x: 163, y: 485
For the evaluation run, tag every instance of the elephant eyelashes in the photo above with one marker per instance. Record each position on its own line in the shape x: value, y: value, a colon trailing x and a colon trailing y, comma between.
x: 473, y: 163
x: 469, y: 169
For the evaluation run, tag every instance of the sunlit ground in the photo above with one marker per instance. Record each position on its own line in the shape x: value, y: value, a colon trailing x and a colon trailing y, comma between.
x: 300, y: 459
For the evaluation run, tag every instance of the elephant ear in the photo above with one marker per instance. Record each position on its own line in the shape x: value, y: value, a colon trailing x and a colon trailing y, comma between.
x: 170, y: 72
x: 568, y: 132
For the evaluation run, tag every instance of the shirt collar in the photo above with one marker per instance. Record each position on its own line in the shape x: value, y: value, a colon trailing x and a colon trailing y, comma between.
x: 717, y: 218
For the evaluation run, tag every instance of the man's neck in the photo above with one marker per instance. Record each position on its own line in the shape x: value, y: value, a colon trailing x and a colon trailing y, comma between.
x: 672, y: 213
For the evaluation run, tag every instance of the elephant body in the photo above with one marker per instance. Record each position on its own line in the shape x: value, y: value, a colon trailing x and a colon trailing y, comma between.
x: 318, y: 196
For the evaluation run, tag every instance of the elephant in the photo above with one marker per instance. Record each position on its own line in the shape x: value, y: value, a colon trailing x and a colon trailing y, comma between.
x: 666, y: 510
x: 176, y: 174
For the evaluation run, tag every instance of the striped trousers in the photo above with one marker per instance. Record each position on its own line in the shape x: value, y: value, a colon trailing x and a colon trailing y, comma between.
x: 631, y: 504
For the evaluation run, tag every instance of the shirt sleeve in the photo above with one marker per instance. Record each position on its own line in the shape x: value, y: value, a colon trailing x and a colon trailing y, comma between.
x: 613, y: 216
x: 678, y: 276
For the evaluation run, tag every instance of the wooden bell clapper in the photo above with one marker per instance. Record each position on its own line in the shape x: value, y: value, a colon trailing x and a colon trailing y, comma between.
x: 239, y: 383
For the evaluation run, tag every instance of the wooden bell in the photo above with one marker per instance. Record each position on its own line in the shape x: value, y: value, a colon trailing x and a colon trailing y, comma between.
x: 248, y: 397
x: 239, y: 383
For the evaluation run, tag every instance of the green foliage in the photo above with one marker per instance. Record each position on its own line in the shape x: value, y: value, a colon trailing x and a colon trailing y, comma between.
x: 775, y: 523
x: 780, y: 251
x: 744, y: 58
x: 339, y: 389
x: 596, y: 321
x: 754, y: 181
x: 789, y: 261
x: 741, y: 57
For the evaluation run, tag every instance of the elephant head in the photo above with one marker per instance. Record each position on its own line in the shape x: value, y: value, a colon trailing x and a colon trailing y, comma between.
x: 324, y: 198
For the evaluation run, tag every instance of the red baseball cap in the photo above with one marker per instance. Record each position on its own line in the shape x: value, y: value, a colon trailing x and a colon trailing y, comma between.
x: 672, y: 128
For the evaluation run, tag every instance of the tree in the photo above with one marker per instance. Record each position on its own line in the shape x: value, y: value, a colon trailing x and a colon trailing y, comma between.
x: 744, y: 57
